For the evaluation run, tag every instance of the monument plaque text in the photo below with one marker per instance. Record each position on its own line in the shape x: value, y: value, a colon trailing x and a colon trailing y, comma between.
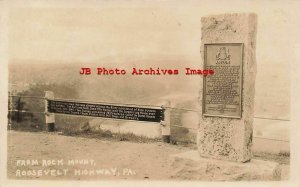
x: 105, y: 111
x: 222, y: 92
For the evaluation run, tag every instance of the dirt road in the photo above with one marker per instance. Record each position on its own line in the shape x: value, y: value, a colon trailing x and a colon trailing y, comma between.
x: 40, y: 155
x: 52, y: 156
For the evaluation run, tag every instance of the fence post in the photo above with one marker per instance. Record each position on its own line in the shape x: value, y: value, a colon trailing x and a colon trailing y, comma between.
x: 166, y: 124
x: 50, y: 118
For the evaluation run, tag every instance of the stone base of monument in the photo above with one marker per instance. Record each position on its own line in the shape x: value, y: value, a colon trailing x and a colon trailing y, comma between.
x: 190, y: 166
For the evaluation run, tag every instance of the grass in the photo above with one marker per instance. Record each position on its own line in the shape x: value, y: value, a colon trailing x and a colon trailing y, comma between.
x: 87, y: 132
x: 107, y: 135
x: 281, y: 157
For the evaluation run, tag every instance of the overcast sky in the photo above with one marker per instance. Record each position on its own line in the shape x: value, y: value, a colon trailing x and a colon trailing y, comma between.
x: 83, y: 34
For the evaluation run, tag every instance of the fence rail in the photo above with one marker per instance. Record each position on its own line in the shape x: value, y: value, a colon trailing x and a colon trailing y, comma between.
x: 131, y: 104
x: 134, y: 104
x: 27, y: 96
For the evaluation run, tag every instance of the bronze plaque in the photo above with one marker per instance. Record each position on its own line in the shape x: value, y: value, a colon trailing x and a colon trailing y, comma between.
x: 222, y: 91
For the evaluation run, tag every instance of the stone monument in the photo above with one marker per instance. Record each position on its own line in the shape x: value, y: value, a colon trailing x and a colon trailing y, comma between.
x: 228, y: 47
x: 225, y: 126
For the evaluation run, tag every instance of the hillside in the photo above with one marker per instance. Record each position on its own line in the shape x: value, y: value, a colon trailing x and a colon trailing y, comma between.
x: 272, y: 97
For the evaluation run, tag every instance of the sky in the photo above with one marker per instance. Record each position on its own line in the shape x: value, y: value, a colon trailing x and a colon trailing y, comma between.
x: 84, y: 33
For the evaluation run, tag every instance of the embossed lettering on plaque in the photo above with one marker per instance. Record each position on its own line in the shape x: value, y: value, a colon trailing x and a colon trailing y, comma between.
x: 222, y: 91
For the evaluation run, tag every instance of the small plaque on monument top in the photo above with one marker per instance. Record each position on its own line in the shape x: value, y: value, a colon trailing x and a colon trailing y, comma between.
x: 228, y: 45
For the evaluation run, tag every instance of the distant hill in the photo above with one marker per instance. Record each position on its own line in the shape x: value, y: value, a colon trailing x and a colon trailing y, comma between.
x: 272, y: 97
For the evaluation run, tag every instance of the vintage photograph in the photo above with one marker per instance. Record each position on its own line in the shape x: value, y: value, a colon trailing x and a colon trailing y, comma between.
x: 149, y: 91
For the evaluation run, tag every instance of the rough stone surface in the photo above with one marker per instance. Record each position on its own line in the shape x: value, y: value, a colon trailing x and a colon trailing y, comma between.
x: 228, y: 138
x: 190, y: 166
